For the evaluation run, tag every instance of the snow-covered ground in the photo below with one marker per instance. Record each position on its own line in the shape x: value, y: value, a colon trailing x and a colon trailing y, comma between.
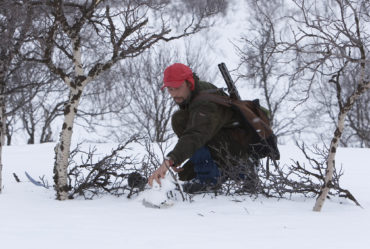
x: 31, y: 218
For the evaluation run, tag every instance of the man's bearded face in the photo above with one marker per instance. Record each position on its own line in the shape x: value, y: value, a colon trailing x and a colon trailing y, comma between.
x: 179, y: 94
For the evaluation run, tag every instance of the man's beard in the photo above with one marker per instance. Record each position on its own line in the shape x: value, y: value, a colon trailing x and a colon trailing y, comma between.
x: 182, y: 104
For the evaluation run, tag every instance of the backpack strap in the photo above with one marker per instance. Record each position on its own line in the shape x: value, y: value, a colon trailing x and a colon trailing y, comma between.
x: 253, y: 119
x: 250, y: 113
x: 212, y: 95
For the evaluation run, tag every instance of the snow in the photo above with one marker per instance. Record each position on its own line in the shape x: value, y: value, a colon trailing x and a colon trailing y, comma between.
x: 32, y: 218
x: 157, y: 195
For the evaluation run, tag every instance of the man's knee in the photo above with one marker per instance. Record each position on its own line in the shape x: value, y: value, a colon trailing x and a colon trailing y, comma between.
x: 187, y: 172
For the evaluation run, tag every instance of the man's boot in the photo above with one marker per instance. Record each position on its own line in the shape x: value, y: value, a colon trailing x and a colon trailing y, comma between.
x: 207, y: 174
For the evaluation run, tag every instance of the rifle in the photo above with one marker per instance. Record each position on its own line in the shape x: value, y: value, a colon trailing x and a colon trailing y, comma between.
x: 267, y: 143
x: 231, y: 88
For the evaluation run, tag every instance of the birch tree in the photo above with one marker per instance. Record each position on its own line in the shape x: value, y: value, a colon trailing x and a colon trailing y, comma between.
x: 358, y: 132
x: 331, y: 40
x: 80, y: 41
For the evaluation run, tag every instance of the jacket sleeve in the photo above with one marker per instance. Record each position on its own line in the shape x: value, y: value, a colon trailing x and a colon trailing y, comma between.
x: 204, y: 122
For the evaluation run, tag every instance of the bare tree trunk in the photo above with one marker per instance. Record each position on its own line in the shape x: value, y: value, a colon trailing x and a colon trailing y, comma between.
x: 8, y: 134
x: 330, y: 163
x: 70, y: 110
x: 62, y: 148
x: 362, y: 87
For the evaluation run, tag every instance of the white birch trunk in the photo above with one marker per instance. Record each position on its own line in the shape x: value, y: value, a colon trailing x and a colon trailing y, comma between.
x: 330, y: 164
x: 63, y: 148
x: 2, y: 136
x: 363, y: 87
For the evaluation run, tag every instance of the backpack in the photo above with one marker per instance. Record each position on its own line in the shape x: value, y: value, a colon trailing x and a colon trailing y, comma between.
x: 254, y: 119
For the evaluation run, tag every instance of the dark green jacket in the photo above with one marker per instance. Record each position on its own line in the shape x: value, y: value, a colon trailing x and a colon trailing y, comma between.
x: 201, y: 123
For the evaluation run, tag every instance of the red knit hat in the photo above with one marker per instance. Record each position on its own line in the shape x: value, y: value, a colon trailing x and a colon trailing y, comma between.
x: 176, y: 74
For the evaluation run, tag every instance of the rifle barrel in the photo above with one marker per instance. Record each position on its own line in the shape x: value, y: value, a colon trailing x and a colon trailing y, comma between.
x: 233, y: 92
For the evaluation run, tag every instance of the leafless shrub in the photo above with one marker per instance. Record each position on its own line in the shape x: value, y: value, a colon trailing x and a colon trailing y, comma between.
x: 245, y: 176
x: 106, y: 176
x: 297, y: 178
x: 240, y: 176
x: 112, y: 174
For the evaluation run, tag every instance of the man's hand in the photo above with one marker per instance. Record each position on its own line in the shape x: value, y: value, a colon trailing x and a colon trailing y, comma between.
x: 159, y: 173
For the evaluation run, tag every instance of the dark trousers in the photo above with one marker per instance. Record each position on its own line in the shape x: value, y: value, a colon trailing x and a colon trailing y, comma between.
x: 205, y: 169
x: 202, y: 167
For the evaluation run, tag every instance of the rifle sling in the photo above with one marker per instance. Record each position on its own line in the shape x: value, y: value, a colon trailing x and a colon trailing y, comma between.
x: 259, y: 126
